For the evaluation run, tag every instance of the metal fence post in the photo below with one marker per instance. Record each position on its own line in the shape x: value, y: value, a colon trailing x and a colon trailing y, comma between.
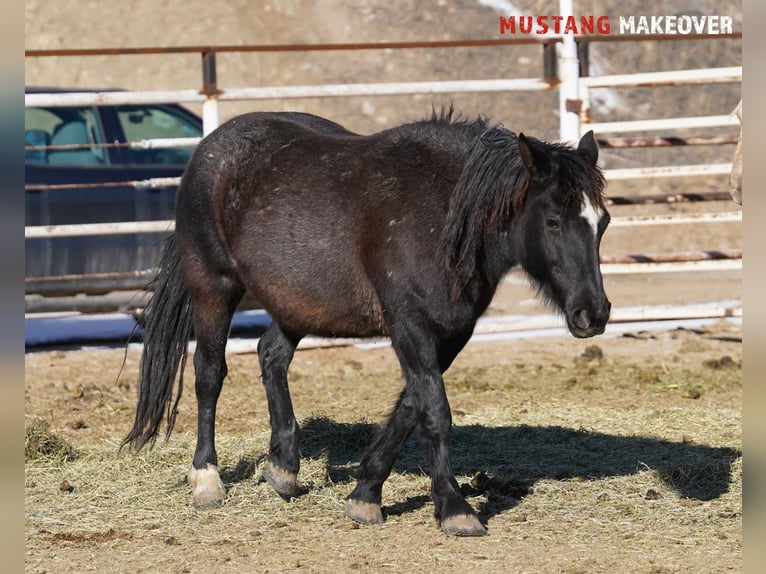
x: 210, y: 108
x: 569, y: 89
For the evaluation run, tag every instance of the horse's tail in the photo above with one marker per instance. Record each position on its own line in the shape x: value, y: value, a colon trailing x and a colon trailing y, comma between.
x: 166, y: 331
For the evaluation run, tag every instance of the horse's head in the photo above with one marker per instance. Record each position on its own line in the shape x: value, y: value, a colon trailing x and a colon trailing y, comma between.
x: 562, y: 220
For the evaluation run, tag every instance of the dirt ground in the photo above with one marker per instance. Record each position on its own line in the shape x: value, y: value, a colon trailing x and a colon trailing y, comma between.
x: 614, y: 454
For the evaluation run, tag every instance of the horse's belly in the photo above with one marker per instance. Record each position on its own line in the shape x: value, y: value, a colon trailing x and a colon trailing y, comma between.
x: 308, y: 297
x: 306, y: 313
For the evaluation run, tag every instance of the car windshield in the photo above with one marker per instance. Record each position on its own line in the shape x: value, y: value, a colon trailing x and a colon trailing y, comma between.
x: 60, y: 136
x: 156, y: 122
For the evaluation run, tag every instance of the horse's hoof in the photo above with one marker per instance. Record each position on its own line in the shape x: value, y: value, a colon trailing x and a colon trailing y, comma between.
x: 283, y: 481
x: 207, y: 489
x: 363, y: 512
x: 464, y: 525
x: 207, y: 501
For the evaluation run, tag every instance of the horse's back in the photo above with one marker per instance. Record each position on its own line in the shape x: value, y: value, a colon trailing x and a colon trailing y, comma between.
x: 253, y: 135
x: 270, y: 123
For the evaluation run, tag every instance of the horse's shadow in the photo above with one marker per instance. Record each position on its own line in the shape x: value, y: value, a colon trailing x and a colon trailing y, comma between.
x: 506, y: 462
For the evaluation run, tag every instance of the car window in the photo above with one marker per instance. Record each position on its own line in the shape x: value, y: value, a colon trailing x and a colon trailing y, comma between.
x: 63, y: 136
x: 155, y: 122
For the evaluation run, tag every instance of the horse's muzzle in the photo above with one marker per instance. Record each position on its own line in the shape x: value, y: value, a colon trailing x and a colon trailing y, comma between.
x: 584, y: 322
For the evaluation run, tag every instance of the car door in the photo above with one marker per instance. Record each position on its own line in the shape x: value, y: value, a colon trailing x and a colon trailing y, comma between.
x: 65, y: 180
x: 74, y: 175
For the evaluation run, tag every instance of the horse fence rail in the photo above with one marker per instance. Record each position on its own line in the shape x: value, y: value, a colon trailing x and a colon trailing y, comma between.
x: 664, y: 124
x: 667, y: 171
x: 664, y: 141
x: 668, y: 78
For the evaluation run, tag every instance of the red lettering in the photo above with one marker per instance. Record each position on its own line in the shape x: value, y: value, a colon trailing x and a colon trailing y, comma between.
x: 509, y: 24
x: 571, y: 25
x: 557, y: 23
x: 603, y: 25
x: 528, y: 21
x: 542, y: 25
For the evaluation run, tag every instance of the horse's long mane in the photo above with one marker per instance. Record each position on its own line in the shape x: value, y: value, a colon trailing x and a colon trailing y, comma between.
x: 494, y: 185
x: 493, y: 182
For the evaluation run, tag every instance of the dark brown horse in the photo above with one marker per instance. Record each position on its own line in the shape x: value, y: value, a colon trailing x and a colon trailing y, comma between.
x: 404, y: 233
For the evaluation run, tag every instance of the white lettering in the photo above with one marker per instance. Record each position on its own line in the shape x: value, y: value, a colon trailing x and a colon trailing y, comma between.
x: 676, y: 24
x: 670, y: 25
x: 712, y: 25
x: 684, y: 24
x: 643, y: 26
x: 628, y: 25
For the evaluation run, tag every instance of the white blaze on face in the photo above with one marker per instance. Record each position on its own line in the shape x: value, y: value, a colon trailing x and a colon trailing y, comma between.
x: 591, y: 214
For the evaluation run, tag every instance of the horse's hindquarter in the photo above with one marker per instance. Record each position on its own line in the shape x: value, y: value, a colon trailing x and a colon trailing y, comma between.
x: 293, y: 239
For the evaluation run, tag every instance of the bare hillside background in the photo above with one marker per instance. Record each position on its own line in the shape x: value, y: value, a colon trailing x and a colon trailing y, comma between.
x: 144, y: 23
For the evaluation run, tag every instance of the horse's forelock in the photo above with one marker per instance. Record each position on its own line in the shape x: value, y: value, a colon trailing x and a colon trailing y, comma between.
x: 578, y: 178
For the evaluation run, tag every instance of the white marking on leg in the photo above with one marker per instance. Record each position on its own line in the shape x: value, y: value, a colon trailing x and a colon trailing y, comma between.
x: 207, y: 488
x: 591, y: 214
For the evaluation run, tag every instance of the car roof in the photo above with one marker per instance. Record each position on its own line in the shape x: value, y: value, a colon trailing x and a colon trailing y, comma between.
x: 57, y: 90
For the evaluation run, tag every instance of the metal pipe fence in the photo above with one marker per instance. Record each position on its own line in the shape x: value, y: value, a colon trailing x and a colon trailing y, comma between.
x: 558, y: 74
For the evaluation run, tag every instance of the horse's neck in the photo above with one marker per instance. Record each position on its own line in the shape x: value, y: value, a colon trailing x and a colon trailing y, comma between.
x: 497, y: 257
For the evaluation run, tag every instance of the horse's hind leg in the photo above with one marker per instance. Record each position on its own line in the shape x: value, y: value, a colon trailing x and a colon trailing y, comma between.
x: 275, y: 352
x: 213, y: 310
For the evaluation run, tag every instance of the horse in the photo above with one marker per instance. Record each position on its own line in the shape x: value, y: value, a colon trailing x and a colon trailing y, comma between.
x: 405, y: 233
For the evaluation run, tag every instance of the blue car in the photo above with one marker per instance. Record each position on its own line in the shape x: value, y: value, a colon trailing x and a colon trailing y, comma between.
x: 64, y: 148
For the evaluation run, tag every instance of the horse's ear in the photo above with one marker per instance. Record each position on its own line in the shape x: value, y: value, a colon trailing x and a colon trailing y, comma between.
x: 588, y: 147
x: 534, y: 163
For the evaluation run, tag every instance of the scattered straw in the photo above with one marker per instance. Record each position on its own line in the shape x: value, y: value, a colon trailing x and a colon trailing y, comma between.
x: 41, y: 443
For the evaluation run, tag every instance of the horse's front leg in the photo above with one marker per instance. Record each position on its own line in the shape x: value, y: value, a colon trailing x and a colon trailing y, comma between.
x: 456, y: 515
x: 450, y: 507
x: 364, y: 504
x: 422, y: 403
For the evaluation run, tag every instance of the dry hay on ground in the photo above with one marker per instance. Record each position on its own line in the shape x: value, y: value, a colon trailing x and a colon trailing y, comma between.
x: 620, y: 457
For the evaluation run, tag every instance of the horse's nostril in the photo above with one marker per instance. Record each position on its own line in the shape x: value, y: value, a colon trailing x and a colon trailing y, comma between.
x: 580, y: 318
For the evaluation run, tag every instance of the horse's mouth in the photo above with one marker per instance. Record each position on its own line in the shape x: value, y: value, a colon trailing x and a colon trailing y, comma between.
x: 583, y: 324
x: 584, y: 333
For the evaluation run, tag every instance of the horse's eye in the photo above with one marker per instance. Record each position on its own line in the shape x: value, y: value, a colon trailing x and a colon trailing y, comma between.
x: 553, y: 223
